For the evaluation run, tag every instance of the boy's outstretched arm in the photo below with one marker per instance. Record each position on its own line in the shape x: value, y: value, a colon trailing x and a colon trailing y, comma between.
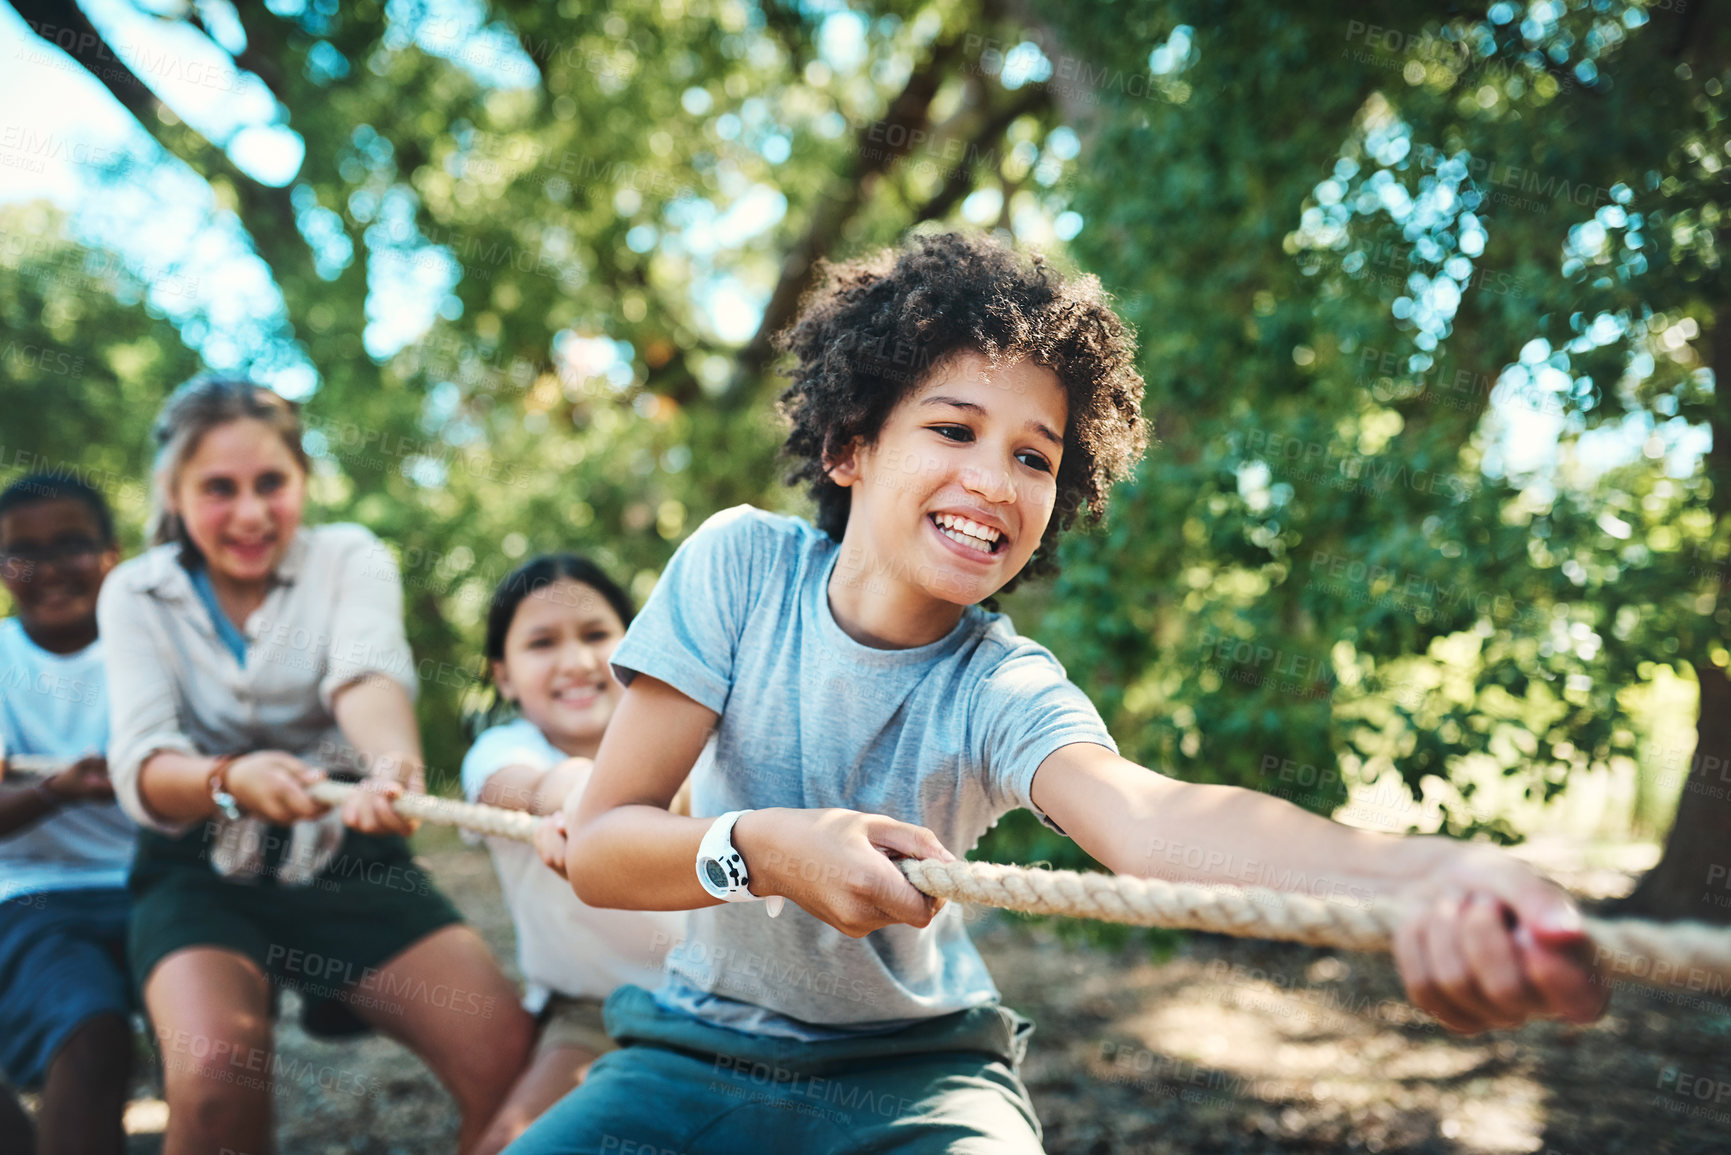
x: 1485, y: 942
x: 624, y: 849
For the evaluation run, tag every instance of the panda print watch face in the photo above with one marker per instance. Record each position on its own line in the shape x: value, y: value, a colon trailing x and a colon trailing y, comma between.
x: 720, y: 867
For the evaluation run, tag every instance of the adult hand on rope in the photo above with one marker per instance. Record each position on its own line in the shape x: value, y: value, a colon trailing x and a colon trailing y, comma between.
x: 272, y: 785
x: 837, y: 865
x: 1486, y: 943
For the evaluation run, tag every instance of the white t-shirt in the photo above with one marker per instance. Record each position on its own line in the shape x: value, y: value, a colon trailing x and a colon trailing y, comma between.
x: 563, y: 946
x: 57, y: 705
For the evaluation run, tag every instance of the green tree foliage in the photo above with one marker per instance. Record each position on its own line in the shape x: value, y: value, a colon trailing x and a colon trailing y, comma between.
x: 83, y: 360
x: 590, y: 197
x: 1337, y: 233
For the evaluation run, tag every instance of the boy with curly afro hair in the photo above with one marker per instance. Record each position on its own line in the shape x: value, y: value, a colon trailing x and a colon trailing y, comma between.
x: 886, y: 322
x: 838, y: 697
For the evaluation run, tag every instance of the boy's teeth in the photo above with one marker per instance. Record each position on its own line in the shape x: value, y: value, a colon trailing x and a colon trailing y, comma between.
x: 970, y: 542
x: 972, y: 528
x: 968, y: 533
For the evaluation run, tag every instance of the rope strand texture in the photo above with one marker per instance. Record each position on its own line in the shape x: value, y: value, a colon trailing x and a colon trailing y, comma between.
x: 1691, y: 955
x: 1243, y: 911
x: 494, y: 820
x: 517, y: 825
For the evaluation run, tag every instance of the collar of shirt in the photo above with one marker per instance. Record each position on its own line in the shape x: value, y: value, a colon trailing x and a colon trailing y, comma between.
x: 161, y: 573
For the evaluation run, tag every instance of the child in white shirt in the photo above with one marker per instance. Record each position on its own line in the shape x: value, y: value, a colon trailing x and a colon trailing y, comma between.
x: 551, y: 627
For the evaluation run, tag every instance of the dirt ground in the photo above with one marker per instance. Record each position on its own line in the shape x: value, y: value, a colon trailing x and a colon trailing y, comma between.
x: 1227, y: 1046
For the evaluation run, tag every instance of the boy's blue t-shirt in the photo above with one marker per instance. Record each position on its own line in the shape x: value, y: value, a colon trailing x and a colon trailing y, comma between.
x: 57, y: 705
x: 946, y: 736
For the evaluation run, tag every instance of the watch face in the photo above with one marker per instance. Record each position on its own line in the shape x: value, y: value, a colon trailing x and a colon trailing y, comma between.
x: 717, y: 876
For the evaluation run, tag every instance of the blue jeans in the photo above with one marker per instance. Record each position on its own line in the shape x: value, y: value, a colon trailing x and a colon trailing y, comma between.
x: 679, y: 1086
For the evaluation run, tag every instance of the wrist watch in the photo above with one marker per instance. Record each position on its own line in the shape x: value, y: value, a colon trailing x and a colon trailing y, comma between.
x: 721, y: 868
x: 225, y: 802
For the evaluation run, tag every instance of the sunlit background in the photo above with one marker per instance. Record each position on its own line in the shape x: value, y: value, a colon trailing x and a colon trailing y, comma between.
x: 1426, y: 315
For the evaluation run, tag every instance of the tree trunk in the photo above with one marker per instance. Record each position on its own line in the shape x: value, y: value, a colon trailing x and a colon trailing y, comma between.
x: 1693, y: 878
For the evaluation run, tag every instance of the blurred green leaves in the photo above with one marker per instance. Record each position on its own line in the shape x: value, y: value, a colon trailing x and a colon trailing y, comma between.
x: 1377, y: 265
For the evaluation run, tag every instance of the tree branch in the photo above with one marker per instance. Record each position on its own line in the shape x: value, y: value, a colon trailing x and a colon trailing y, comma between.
x: 266, y: 211
x: 877, y: 147
x: 1031, y: 98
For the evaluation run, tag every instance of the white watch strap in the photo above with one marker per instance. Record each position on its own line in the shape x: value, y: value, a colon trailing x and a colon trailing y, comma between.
x: 721, y: 868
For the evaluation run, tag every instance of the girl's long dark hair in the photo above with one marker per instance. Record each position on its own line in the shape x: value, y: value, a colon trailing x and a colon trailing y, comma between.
x: 537, y: 574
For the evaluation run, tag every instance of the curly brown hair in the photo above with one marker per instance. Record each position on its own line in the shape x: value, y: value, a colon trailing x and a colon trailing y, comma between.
x: 876, y: 328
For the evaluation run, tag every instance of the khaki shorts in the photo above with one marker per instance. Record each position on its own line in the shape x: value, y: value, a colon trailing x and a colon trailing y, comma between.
x: 569, y: 1022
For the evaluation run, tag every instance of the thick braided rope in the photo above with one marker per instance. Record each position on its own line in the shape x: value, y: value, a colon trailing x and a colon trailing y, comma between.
x: 1693, y: 955
x: 1251, y: 912
x: 493, y: 820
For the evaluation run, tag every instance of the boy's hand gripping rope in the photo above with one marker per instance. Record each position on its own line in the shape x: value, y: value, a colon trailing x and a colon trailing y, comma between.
x: 1694, y: 955
x: 1680, y: 954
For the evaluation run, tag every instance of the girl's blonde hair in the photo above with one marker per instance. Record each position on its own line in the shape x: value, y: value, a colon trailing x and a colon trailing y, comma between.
x: 190, y: 412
